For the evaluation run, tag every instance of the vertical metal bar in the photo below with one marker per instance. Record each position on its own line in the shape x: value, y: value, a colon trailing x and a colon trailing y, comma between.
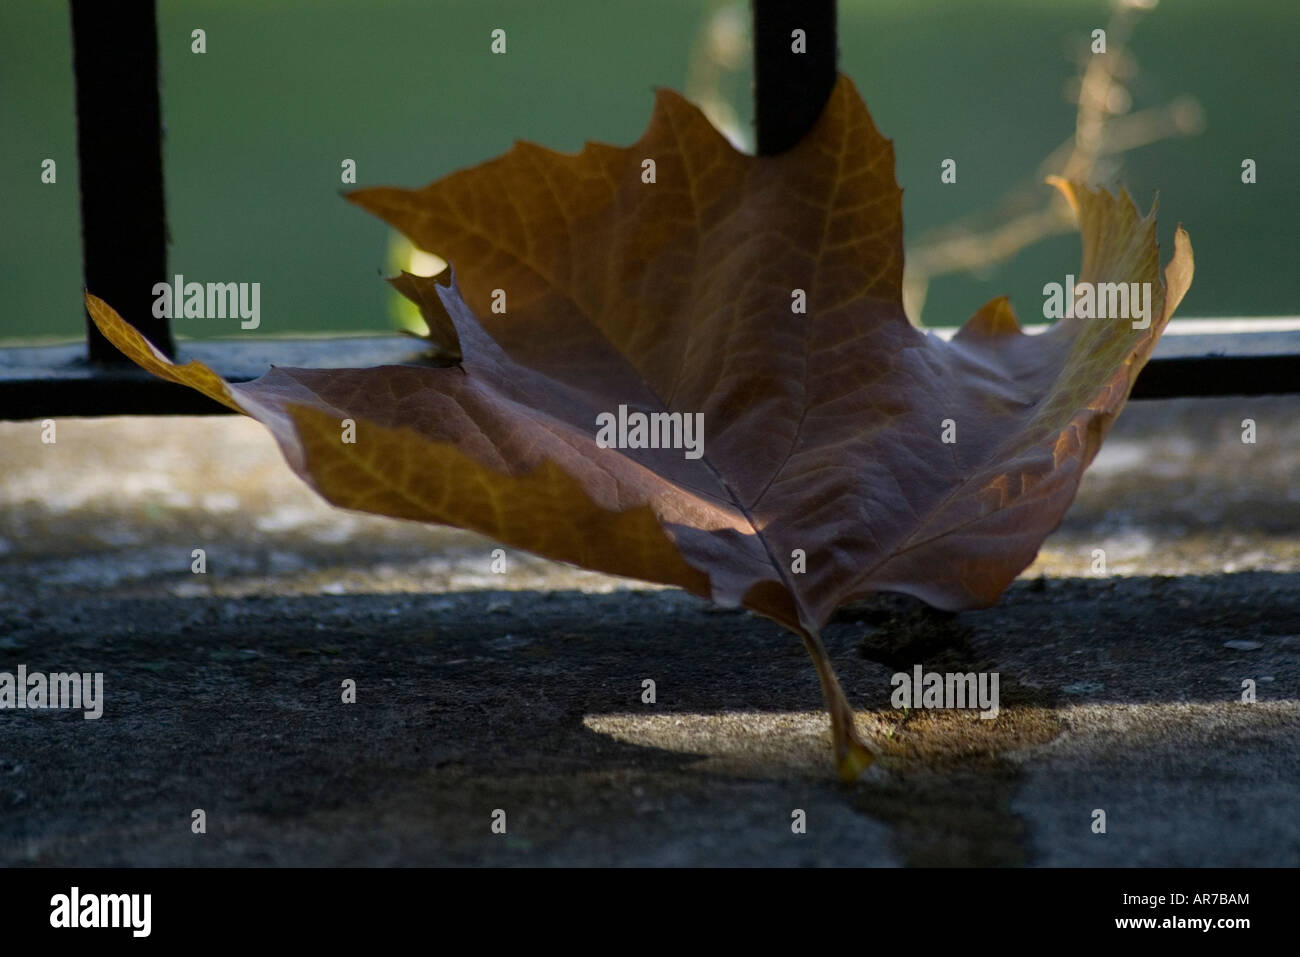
x: 119, y: 149
x: 791, y: 88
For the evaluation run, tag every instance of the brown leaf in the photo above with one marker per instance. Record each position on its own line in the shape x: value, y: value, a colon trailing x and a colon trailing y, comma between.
x: 822, y: 432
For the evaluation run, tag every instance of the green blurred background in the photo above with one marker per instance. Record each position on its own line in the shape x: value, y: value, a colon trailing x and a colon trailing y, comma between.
x: 257, y: 126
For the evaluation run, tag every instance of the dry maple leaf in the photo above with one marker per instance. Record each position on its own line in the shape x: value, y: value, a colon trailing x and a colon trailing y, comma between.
x: 822, y: 432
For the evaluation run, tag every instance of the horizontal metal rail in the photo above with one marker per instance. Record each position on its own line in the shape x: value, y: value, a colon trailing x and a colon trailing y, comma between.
x: 51, y: 381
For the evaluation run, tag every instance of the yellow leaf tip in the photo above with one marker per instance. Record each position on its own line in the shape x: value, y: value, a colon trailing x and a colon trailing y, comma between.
x: 853, y: 762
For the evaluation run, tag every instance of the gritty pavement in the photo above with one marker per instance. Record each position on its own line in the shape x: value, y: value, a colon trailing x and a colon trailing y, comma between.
x: 1121, y: 690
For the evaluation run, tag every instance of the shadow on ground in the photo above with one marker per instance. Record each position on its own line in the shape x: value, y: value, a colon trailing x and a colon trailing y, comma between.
x: 1117, y: 695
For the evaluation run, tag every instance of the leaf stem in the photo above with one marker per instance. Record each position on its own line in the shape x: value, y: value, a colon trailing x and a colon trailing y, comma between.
x: 852, y: 755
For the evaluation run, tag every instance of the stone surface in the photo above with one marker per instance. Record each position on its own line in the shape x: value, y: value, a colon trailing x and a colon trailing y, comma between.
x: 1120, y: 691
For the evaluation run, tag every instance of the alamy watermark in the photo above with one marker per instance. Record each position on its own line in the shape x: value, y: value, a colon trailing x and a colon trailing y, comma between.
x: 38, y: 691
x: 75, y: 909
x: 932, y: 689
x: 651, y: 430
x: 213, y: 300
x: 1098, y: 300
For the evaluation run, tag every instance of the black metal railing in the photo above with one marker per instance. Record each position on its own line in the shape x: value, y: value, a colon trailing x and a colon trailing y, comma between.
x: 124, y: 236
